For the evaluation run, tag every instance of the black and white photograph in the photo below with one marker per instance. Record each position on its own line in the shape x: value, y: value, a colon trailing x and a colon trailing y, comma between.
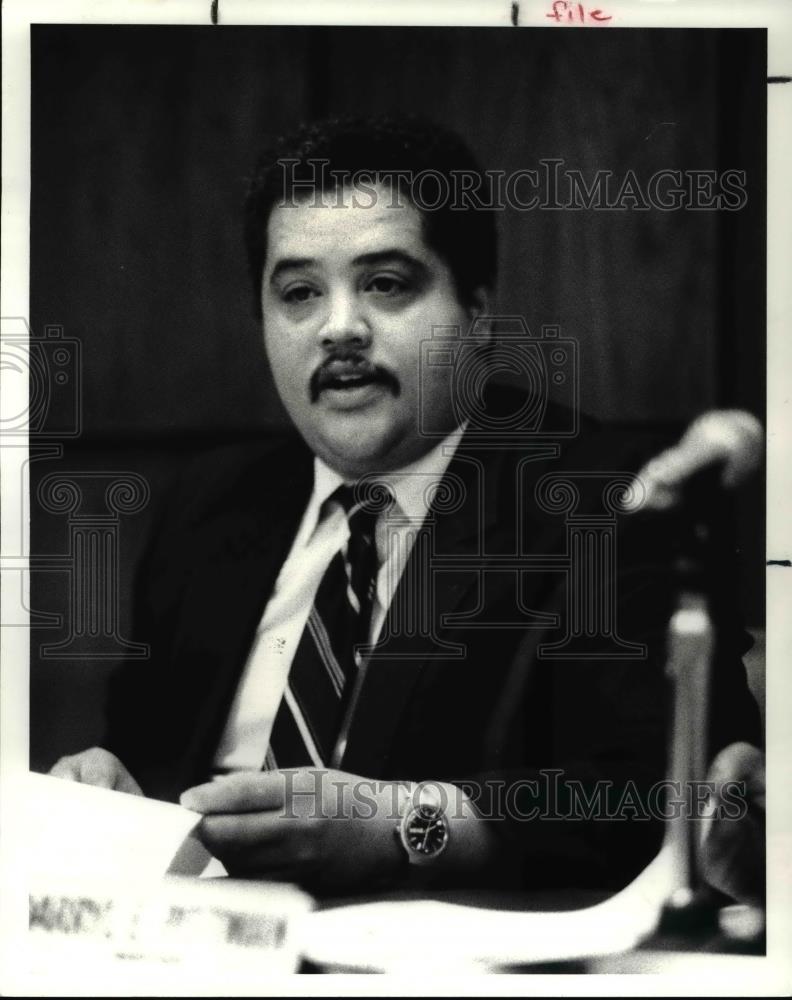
x: 395, y: 561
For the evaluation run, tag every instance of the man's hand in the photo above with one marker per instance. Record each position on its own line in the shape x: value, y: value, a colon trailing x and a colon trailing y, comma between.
x: 734, y: 849
x: 322, y: 828
x: 97, y: 767
x: 328, y: 830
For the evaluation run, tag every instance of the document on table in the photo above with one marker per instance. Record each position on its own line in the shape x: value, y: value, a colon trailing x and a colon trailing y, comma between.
x: 96, y: 861
x: 412, y: 936
x: 111, y: 911
x: 95, y: 832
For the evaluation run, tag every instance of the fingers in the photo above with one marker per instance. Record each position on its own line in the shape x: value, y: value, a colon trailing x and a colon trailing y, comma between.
x: 124, y: 782
x: 243, y: 830
x: 68, y: 768
x: 263, y: 824
x: 736, y: 762
x: 741, y: 762
x: 733, y: 853
x: 243, y: 792
x: 733, y: 857
x: 97, y: 767
x: 262, y: 844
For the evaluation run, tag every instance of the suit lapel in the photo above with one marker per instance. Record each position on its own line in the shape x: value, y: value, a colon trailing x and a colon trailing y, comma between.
x: 248, y: 544
x: 246, y: 549
x: 463, y: 537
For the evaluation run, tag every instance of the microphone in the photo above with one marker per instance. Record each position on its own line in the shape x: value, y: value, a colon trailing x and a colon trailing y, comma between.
x: 688, y: 483
x: 721, y: 445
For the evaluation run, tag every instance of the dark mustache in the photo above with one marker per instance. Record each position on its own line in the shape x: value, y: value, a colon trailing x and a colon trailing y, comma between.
x: 350, y: 363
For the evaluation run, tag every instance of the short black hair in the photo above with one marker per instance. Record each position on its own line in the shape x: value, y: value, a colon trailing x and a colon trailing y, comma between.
x: 404, y: 150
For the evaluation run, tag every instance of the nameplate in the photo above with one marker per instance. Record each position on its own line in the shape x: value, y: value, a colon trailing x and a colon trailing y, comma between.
x: 193, y: 931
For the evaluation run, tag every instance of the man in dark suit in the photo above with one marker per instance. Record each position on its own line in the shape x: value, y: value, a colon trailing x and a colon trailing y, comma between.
x: 495, y: 627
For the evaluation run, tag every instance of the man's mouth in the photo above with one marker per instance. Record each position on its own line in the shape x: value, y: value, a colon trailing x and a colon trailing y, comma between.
x: 345, y: 377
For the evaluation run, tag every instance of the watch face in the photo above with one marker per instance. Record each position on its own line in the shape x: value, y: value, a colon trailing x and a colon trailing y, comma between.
x: 425, y: 831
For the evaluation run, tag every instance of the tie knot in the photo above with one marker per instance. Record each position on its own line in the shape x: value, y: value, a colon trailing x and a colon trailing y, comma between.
x: 363, y: 502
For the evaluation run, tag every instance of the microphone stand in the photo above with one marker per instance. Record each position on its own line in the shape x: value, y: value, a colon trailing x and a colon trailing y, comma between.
x: 703, y: 575
x: 690, y: 907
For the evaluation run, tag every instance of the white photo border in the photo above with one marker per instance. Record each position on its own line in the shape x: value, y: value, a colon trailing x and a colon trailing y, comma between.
x: 776, y: 16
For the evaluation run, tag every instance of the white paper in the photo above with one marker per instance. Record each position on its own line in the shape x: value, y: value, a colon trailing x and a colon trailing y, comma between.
x: 407, y: 936
x: 107, y: 914
x: 94, y: 832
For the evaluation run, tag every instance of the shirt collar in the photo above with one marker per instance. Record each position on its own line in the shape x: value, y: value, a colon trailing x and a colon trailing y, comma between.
x: 410, y: 484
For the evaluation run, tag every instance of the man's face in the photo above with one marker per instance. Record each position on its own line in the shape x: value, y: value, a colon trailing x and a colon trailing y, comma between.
x: 348, y: 295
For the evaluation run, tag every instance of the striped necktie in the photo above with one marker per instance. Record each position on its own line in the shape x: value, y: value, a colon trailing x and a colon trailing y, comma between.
x: 326, y: 663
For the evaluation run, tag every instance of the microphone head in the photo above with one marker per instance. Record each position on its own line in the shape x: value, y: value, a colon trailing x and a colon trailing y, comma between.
x: 732, y: 438
x: 725, y: 447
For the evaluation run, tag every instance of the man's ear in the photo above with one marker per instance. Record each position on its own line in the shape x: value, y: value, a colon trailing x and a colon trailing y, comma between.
x: 480, y: 305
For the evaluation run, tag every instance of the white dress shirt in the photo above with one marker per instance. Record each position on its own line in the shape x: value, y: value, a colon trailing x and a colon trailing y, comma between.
x: 263, y: 680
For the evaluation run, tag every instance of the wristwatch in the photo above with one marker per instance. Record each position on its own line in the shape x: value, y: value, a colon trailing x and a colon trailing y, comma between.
x: 423, y: 829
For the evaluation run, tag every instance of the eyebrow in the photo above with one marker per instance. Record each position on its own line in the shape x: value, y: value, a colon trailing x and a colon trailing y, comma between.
x: 367, y: 259
x: 290, y: 264
x: 385, y: 256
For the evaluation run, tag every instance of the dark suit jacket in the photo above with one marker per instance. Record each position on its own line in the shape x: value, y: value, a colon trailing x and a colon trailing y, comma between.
x: 494, y: 716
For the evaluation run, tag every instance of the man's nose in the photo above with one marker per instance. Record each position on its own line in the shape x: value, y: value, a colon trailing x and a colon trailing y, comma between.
x: 345, y: 322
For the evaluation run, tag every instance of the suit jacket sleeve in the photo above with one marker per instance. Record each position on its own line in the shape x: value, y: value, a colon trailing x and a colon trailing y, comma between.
x: 569, y: 759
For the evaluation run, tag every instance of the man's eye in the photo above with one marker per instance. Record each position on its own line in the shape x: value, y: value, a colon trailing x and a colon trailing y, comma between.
x: 387, y: 284
x: 297, y: 294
